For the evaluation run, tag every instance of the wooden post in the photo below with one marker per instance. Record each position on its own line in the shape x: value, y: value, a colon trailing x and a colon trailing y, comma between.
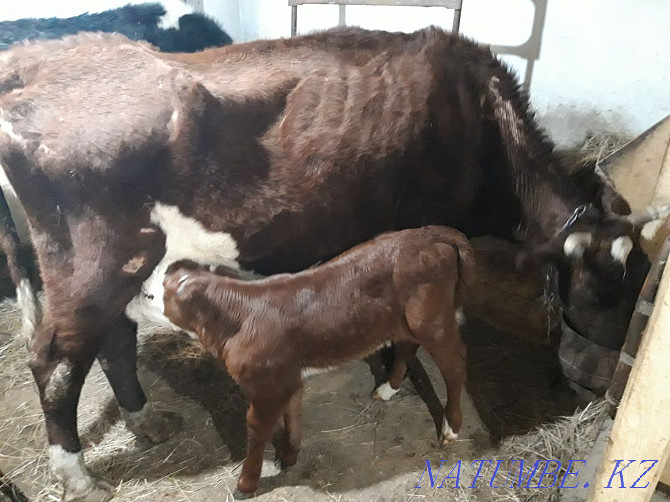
x: 641, y: 430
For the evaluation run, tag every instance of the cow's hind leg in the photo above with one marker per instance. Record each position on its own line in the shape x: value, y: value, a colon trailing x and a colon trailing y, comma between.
x: 60, y: 360
x: 118, y: 359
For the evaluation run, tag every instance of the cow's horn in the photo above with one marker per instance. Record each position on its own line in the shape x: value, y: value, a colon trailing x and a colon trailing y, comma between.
x: 576, y: 243
x: 649, y: 213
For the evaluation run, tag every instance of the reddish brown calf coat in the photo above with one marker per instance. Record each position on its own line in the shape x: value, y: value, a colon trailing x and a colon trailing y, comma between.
x: 398, y: 287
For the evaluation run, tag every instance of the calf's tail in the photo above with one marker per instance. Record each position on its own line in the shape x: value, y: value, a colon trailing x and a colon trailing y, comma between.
x: 466, y: 255
x: 31, y: 309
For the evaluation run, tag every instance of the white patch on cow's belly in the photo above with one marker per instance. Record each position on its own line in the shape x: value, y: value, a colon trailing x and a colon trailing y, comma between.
x: 185, y: 238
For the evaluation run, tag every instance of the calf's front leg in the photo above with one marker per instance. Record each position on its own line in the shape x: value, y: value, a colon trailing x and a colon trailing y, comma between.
x: 261, y: 419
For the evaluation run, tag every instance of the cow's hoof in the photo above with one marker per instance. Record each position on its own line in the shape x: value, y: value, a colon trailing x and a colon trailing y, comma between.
x: 163, y: 426
x: 384, y: 392
x: 99, y: 491
x: 153, y: 426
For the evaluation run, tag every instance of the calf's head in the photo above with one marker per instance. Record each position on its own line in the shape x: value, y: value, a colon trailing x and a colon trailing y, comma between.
x: 182, y: 300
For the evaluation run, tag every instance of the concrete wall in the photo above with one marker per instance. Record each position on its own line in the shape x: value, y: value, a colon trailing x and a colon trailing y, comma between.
x: 603, y: 66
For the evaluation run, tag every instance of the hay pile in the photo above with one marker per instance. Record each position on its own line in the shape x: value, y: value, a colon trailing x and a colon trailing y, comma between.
x: 598, y: 147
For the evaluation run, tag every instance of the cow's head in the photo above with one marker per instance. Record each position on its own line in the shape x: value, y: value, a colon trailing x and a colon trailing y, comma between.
x: 600, y: 270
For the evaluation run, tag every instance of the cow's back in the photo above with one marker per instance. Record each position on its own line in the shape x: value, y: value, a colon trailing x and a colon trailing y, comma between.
x: 325, y: 140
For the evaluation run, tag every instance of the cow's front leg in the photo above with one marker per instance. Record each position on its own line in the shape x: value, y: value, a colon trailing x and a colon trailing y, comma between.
x: 60, y: 361
x: 118, y: 359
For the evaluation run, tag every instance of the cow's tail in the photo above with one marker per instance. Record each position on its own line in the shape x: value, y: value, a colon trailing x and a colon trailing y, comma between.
x: 31, y: 309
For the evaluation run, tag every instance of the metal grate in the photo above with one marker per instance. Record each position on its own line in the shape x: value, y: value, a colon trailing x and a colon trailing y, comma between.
x: 454, y: 5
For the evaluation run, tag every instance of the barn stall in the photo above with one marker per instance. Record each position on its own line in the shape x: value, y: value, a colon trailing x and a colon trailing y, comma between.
x: 354, y: 448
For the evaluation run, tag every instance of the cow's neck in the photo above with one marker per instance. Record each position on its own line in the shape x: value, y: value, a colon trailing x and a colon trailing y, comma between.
x: 545, y: 195
x: 547, y: 205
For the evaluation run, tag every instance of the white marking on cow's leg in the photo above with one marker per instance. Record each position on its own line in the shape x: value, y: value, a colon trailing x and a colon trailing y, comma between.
x: 59, y: 382
x: 185, y: 238
x: 576, y: 243
x: 384, y: 392
x: 135, y: 419
x: 70, y: 470
x: 448, y: 434
x: 621, y: 247
x: 460, y: 317
x: 31, y: 310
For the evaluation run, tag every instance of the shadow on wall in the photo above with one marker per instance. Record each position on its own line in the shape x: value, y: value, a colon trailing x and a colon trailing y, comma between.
x: 530, y: 49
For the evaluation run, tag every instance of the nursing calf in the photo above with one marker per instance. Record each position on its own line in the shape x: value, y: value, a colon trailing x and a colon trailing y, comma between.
x: 271, y: 333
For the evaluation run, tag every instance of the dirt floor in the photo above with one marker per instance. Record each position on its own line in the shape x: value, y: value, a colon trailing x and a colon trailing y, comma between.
x: 353, y: 448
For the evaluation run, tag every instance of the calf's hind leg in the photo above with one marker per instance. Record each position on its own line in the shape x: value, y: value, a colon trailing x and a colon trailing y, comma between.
x: 288, y: 445
x: 403, y: 351
x: 118, y: 360
x: 448, y: 352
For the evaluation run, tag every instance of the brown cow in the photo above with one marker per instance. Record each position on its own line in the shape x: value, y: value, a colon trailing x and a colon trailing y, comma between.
x: 399, y: 287
x: 270, y: 156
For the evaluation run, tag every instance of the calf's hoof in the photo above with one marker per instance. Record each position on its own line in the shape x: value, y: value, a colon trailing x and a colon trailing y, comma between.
x: 384, y: 392
x: 245, y: 488
x: 447, y: 435
x: 288, y: 458
x: 238, y: 495
x: 153, y: 426
x: 99, y: 491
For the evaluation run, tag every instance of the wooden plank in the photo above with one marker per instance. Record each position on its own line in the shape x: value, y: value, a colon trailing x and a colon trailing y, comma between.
x: 641, y: 429
x: 449, y: 4
x: 665, y: 475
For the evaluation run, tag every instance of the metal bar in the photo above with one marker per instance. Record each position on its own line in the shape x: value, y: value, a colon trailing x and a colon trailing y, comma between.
x: 342, y: 16
x: 449, y: 4
x: 294, y: 19
x: 457, y: 21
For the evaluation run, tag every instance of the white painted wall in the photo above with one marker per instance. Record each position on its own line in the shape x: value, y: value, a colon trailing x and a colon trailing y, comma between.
x: 604, y: 65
